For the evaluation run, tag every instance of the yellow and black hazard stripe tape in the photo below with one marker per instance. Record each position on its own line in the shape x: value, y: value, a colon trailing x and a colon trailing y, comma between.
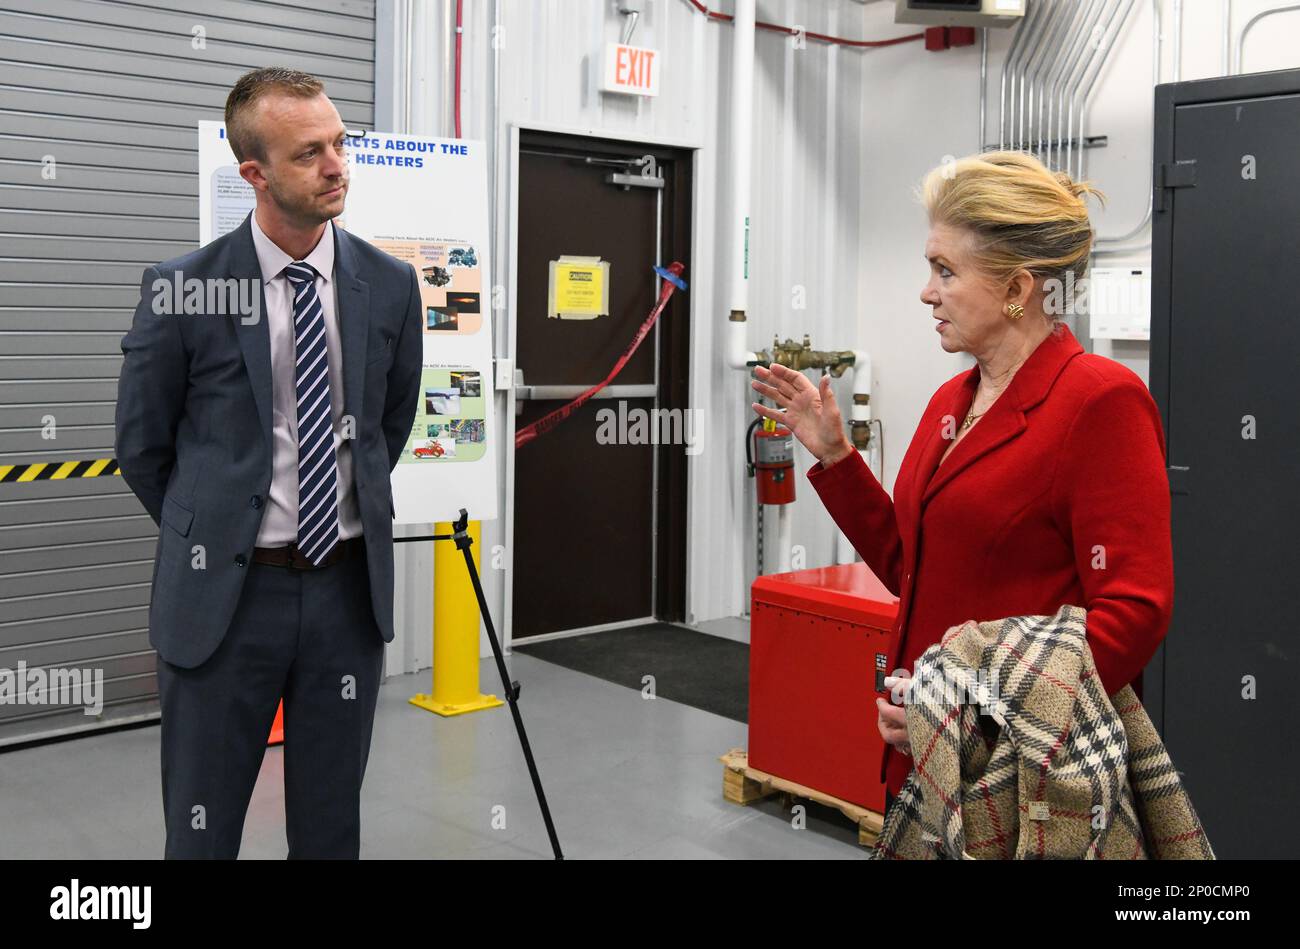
x: 59, y: 470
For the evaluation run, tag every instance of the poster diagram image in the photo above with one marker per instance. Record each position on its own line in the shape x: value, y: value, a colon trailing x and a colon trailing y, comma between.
x: 460, y: 430
x: 451, y: 282
x: 467, y: 430
x: 441, y: 401
x: 463, y: 302
x: 450, y: 424
x: 436, y: 276
x: 470, y: 383
x: 436, y: 448
x: 462, y: 257
x: 442, y: 319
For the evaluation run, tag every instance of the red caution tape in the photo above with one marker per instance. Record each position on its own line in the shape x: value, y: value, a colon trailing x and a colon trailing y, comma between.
x: 672, y: 275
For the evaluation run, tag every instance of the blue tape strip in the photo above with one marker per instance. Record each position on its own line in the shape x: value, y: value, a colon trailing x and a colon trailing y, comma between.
x: 671, y: 277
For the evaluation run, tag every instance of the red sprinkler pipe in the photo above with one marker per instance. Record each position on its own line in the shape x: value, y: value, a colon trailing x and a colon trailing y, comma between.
x: 790, y: 31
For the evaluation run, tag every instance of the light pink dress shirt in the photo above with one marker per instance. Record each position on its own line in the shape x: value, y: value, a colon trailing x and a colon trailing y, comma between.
x: 280, y: 518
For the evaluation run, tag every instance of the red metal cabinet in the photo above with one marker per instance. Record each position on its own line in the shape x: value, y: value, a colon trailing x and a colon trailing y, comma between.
x: 815, y: 638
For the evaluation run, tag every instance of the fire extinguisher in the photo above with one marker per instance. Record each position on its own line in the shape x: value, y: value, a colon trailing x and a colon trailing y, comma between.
x: 771, y: 461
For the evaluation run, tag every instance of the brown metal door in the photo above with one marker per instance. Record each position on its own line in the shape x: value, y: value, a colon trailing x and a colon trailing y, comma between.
x: 598, y: 528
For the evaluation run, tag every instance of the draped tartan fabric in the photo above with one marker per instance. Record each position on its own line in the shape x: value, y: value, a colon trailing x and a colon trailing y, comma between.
x: 1019, y: 753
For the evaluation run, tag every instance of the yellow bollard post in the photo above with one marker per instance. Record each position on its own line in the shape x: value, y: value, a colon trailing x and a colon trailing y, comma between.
x: 455, y: 630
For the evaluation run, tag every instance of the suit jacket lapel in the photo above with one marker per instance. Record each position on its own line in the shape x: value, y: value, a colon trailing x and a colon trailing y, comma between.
x: 254, y: 338
x: 354, y: 320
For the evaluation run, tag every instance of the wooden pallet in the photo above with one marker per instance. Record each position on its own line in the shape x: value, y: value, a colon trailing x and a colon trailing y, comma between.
x: 742, y: 784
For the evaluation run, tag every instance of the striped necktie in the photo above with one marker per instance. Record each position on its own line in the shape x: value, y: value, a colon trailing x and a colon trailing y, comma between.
x: 318, y: 509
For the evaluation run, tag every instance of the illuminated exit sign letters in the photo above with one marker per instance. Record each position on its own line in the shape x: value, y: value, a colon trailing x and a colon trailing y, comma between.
x: 631, y: 70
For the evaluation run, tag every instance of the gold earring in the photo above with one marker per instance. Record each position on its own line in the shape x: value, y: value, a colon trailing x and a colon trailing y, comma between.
x: 1015, y: 311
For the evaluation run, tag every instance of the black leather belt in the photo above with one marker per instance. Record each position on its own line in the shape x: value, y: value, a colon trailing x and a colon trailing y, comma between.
x: 290, y: 556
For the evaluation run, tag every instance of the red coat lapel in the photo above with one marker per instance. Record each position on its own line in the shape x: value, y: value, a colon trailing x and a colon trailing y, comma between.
x: 1004, y: 421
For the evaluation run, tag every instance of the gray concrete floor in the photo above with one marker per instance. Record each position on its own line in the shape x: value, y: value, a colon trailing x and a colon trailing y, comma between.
x: 625, y: 777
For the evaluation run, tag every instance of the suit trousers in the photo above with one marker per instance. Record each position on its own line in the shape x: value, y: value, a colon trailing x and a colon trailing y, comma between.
x: 310, y: 637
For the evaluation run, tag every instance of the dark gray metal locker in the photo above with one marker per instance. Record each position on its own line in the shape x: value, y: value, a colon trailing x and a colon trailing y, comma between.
x: 112, y: 91
x: 1225, y: 364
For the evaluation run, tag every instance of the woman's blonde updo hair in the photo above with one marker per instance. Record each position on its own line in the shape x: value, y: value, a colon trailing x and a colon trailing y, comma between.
x: 1023, y: 215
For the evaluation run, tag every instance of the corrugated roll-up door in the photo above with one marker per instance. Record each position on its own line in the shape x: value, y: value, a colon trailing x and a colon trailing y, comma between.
x: 99, y: 100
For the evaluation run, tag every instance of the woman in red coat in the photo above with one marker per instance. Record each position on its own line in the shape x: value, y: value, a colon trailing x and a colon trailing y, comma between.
x: 1035, y: 479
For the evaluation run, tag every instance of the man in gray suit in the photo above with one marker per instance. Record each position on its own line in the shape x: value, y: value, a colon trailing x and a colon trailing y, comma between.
x: 260, y: 437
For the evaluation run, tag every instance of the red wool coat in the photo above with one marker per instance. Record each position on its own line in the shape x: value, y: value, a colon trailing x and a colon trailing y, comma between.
x: 1058, y: 494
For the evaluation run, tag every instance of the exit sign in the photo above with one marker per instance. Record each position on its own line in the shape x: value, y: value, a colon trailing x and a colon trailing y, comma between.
x: 631, y: 70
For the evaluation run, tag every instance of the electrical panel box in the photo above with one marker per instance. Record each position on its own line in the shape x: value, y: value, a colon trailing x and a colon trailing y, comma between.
x: 993, y: 13
x: 1119, y: 302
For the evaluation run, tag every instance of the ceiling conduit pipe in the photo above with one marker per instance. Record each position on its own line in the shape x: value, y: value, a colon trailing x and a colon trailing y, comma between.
x: 1010, y: 65
x: 1028, y: 32
x: 1075, y: 36
x: 1250, y: 25
x: 1076, y: 105
x: 1051, y: 45
x: 1029, y: 79
x: 1028, y: 74
x: 1116, y: 245
x: 1107, y: 44
x: 1070, y: 84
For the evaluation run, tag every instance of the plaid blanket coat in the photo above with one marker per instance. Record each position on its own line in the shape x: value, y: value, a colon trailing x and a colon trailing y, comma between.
x: 1051, y: 769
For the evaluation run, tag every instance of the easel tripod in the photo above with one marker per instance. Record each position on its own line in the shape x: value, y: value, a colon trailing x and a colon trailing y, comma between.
x: 460, y: 534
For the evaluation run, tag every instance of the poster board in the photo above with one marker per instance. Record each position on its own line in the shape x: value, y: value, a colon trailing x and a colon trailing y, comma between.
x: 422, y: 200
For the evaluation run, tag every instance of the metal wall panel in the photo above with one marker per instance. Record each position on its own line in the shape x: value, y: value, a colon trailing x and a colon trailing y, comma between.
x: 112, y: 89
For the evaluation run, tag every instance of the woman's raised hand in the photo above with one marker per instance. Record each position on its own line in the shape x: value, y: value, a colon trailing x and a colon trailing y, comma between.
x: 810, y: 411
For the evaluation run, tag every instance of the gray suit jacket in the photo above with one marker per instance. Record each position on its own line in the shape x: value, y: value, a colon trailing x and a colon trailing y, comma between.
x: 193, y: 427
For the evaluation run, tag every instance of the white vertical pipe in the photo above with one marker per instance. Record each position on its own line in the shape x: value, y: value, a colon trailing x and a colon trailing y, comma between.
x: 861, y: 384
x: 742, y: 146
x: 1227, y: 37
x: 861, y: 369
x: 984, y: 85
x: 784, y: 536
x: 844, y: 552
x: 1178, y: 40
x: 738, y: 355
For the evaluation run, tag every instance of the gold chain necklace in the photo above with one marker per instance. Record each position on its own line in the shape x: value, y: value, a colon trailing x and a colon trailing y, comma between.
x: 971, y: 416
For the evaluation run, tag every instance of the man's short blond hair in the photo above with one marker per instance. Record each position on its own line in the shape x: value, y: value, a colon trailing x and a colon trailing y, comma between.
x: 241, y: 131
